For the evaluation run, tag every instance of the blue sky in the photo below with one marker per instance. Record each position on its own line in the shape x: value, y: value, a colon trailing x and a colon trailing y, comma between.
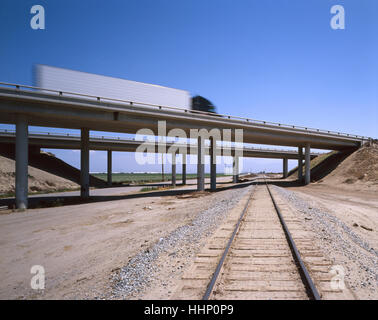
x: 275, y: 60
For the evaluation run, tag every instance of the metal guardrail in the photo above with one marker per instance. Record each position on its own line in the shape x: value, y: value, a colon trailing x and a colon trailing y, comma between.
x: 132, y: 103
x: 105, y: 138
x: 60, y: 134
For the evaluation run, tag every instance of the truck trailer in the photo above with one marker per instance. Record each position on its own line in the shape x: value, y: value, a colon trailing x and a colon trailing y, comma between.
x: 66, y: 80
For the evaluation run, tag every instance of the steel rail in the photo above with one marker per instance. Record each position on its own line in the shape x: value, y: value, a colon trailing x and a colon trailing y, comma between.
x: 214, y: 278
x: 306, y: 278
x: 132, y: 103
x: 311, y: 290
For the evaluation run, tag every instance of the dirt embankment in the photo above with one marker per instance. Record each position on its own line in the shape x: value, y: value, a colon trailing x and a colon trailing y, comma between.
x: 360, y: 169
x: 348, y: 169
x: 38, y: 180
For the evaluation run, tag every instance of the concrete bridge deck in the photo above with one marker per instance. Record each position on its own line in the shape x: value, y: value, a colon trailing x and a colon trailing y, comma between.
x: 70, y: 141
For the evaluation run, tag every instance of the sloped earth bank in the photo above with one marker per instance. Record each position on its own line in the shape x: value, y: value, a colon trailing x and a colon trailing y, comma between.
x: 38, y: 180
x: 357, y: 172
x: 346, y: 227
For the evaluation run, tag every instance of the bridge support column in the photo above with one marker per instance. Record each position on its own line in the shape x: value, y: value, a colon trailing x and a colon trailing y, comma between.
x: 285, y: 171
x: 184, y: 169
x: 173, y: 169
x: 84, y: 163
x: 109, y: 168
x: 213, y: 164
x: 235, y: 177
x: 200, y: 165
x: 21, y: 163
x: 300, y: 164
x: 307, y: 164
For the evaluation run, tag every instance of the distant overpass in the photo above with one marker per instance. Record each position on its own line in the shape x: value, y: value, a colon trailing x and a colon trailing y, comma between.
x: 71, y: 141
x: 25, y: 105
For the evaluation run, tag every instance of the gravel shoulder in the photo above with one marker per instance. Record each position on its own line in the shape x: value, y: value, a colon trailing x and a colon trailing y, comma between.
x: 336, y: 218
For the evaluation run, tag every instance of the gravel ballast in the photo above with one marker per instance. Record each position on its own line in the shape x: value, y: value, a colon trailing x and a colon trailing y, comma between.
x: 359, y: 258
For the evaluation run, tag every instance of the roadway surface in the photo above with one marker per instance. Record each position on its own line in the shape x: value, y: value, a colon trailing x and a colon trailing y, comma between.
x: 116, y: 191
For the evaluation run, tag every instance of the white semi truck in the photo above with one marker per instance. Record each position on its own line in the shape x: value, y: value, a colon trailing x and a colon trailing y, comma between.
x: 49, y: 77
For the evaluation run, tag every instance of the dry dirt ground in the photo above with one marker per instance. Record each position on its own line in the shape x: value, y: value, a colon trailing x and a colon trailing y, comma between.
x: 357, y: 172
x: 82, y: 246
x: 38, y: 179
x: 358, y: 209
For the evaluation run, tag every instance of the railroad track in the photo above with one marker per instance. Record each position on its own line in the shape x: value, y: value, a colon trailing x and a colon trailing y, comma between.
x: 253, y: 255
x: 260, y: 252
x: 261, y: 260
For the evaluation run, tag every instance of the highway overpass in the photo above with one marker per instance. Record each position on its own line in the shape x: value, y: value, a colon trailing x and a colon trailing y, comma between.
x: 70, y: 141
x: 25, y: 105
x: 103, y: 143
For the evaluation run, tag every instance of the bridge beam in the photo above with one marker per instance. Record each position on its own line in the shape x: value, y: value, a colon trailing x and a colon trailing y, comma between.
x: 284, y: 169
x: 109, y: 168
x: 213, y: 164
x: 21, y: 163
x: 307, y: 164
x: 84, y: 163
x: 300, y: 164
x: 200, y: 164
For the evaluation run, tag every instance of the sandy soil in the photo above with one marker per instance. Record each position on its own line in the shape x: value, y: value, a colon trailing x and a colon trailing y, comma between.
x: 38, y: 180
x: 81, y: 246
x: 357, y: 172
x: 357, y: 209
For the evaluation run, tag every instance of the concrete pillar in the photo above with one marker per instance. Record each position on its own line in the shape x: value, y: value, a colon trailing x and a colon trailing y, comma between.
x: 200, y: 165
x: 109, y: 167
x: 173, y: 169
x: 184, y: 169
x: 162, y: 167
x: 84, y: 163
x: 300, y: 164
x: 285, y: 171
x: 21, y: 163
x: 307, y: 164
x: 213, y: 164
x: 235, y: 177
